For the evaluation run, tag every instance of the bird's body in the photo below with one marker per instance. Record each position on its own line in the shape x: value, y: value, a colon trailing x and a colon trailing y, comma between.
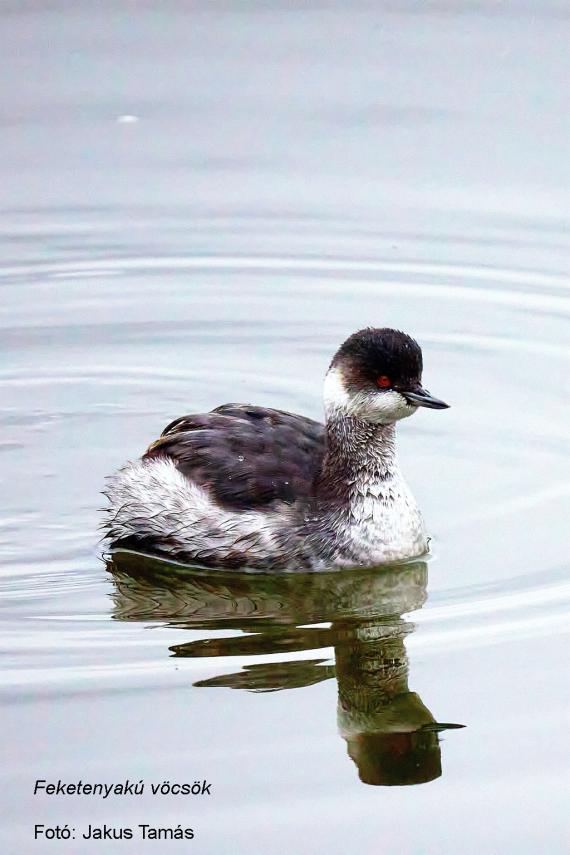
x: 246, y: 486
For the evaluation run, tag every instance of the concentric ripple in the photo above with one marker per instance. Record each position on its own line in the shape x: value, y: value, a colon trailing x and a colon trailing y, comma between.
x: 140, y: 339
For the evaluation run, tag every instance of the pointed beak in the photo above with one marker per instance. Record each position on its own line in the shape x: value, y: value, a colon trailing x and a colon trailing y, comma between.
x: 420, y: 397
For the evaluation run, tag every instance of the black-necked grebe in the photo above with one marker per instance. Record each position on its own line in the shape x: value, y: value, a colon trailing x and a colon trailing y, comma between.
x: 246, y: 486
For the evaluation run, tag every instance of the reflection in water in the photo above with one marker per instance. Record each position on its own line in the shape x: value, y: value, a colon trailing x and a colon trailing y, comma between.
x: 391, y: 736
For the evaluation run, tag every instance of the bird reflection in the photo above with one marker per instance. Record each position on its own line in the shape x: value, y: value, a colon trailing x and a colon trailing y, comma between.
x: 390, y: 734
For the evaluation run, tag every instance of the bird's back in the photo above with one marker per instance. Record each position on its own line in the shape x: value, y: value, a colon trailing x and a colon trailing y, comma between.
x: 246, y: 457
x: 225, y: 488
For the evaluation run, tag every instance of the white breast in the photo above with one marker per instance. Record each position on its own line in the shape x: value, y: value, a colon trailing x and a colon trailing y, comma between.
x: 383, y: 523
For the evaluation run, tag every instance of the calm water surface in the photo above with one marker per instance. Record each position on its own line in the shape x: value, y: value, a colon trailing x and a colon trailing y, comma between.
x: 199, y: 202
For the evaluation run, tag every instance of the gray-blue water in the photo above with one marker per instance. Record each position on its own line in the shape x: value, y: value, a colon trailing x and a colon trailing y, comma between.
x: 199, y: 201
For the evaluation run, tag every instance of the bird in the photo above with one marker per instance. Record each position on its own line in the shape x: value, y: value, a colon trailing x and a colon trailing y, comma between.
x: 246, y: 487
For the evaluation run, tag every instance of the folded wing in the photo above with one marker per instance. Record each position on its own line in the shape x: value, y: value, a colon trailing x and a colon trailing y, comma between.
x: 245, y: 456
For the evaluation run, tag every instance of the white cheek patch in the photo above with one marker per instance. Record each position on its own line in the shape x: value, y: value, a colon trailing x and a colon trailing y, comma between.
x: 385, y: 407
x: 335, y: 395
x: 378, y: 407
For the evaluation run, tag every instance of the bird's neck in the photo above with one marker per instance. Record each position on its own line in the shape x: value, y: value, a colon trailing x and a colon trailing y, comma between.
x: 359, y: 456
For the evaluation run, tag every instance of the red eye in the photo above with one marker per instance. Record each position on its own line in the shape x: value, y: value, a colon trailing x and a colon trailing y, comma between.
x: 383, y: 381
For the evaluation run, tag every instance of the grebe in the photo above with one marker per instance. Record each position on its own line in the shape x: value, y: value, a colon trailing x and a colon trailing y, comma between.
x: 246, y: 486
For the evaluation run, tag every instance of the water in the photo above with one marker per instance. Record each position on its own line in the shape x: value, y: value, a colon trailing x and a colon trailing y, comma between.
x: 198, y: 204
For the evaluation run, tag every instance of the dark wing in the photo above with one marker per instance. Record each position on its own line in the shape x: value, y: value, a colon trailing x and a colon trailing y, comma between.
x: 245, y: 456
